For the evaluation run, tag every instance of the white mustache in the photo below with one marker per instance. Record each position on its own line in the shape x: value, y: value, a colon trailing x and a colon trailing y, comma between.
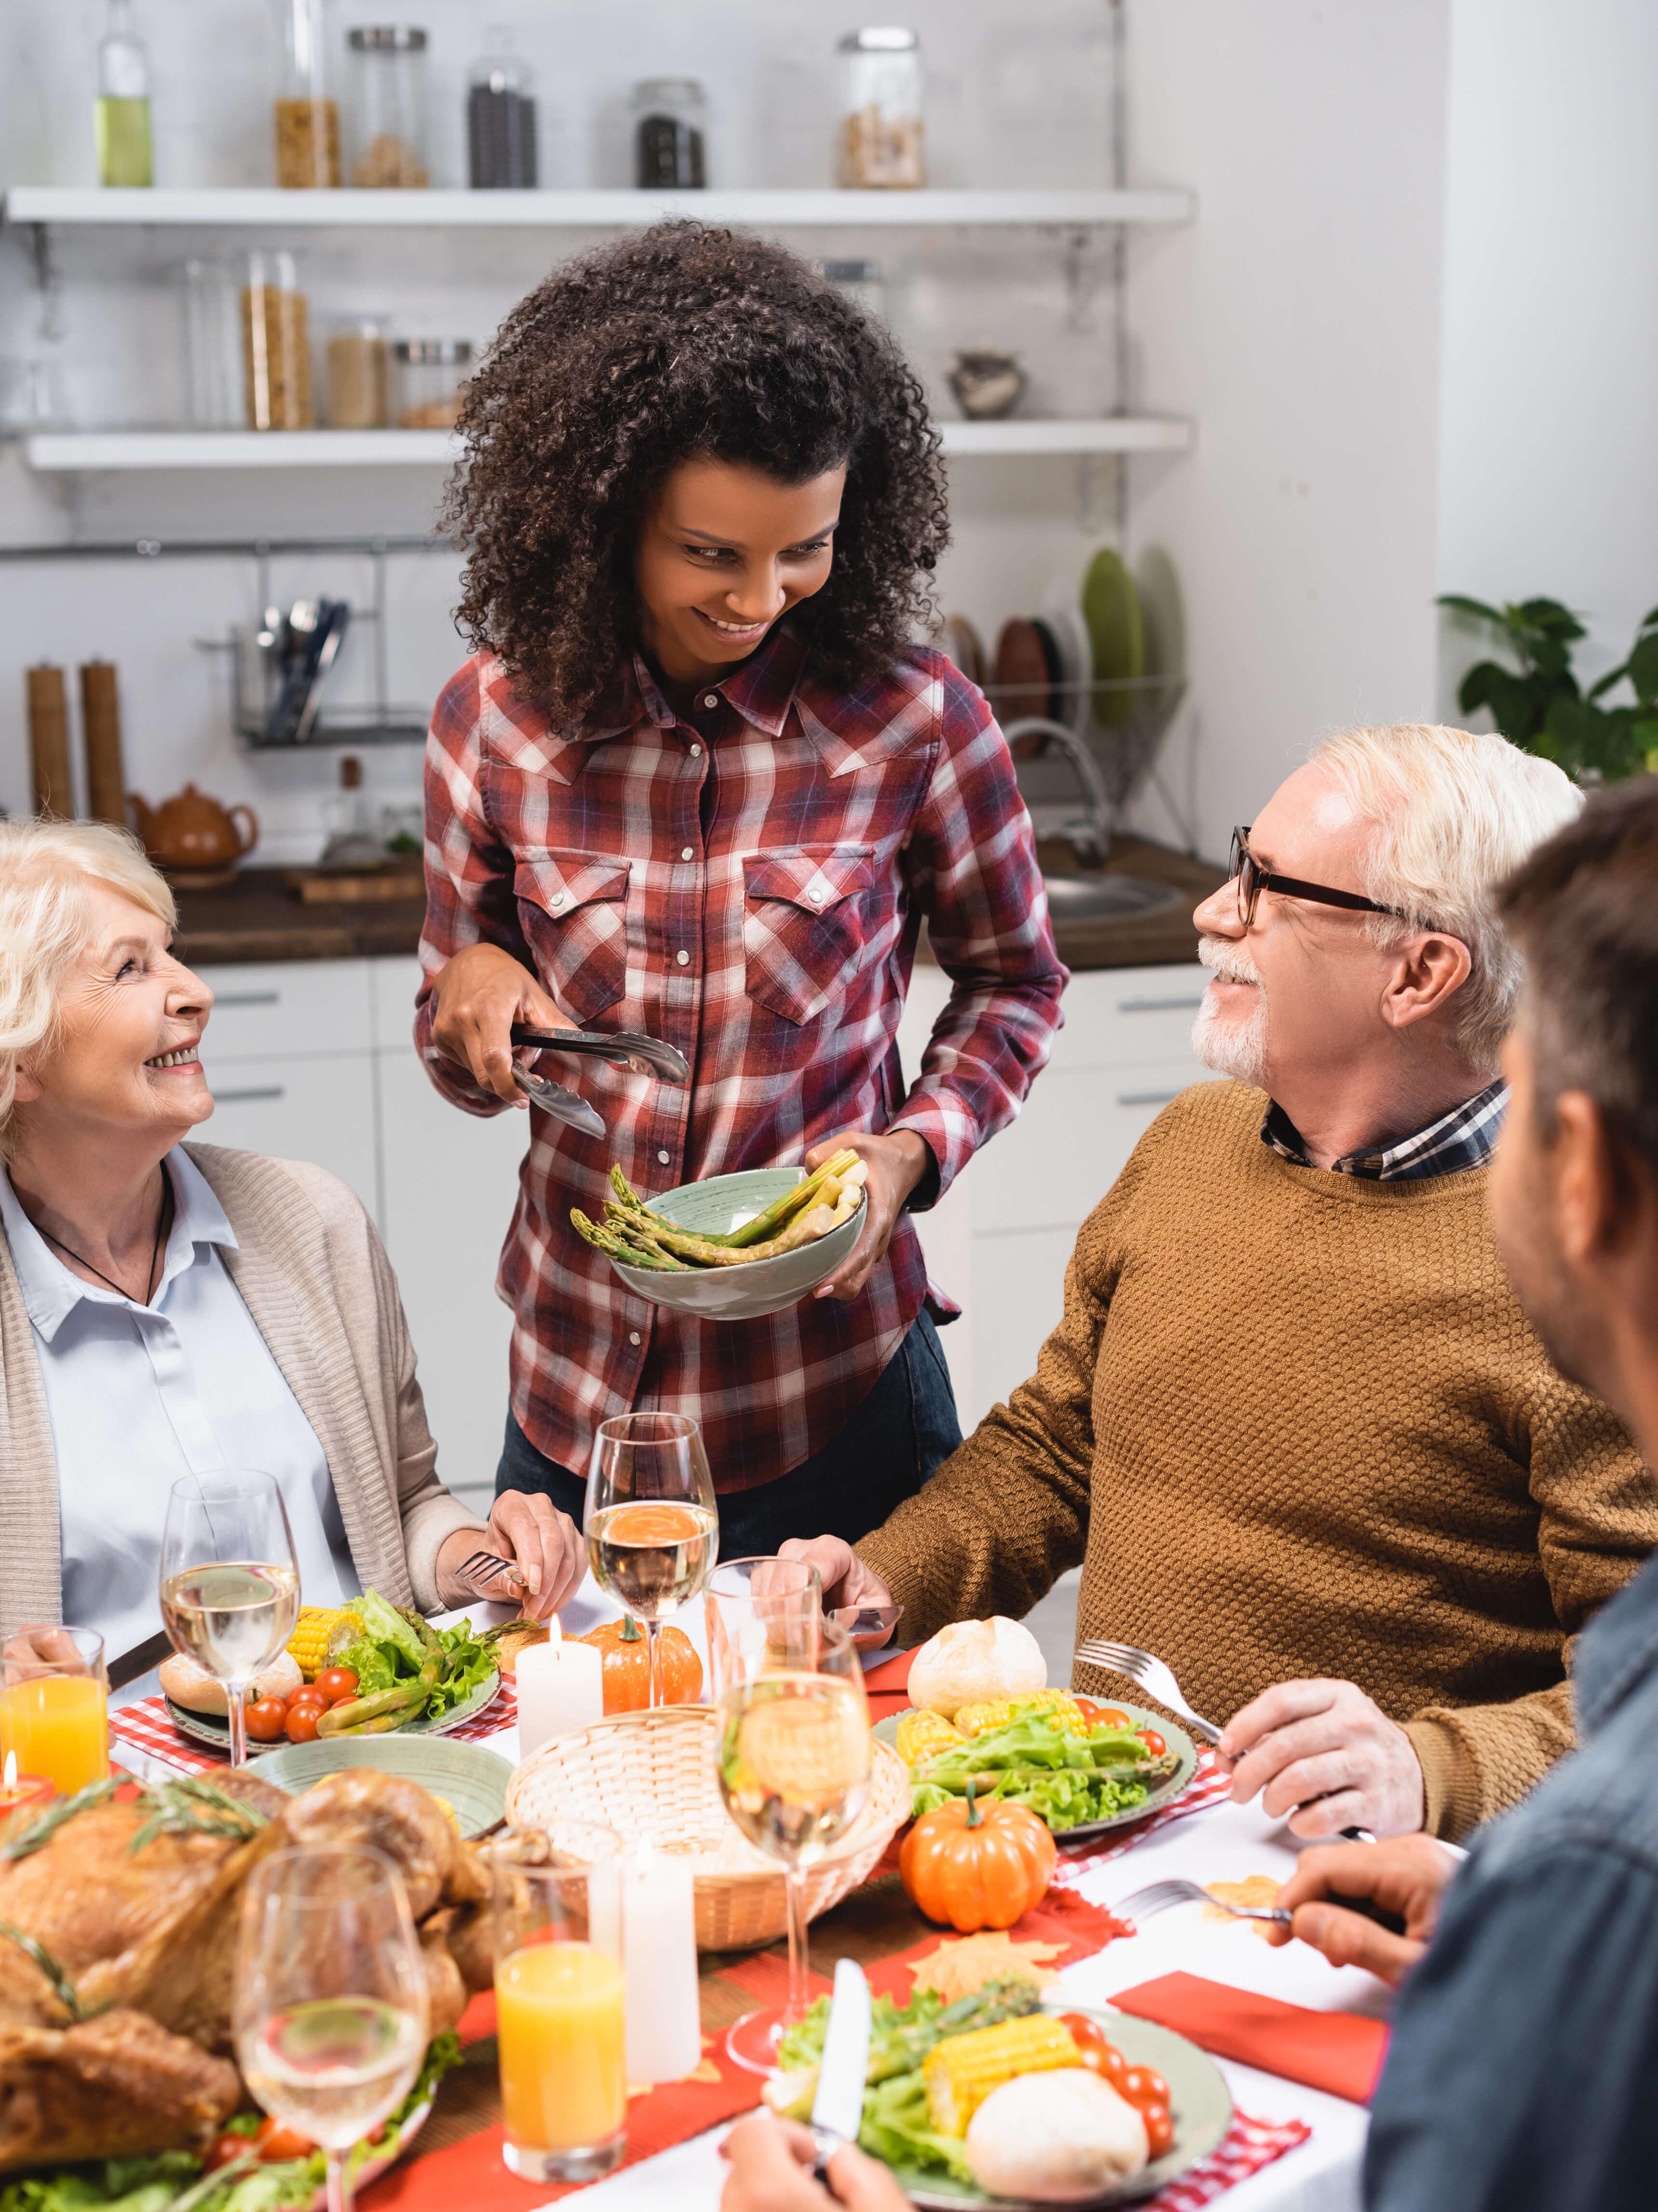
x: 1227, y: 960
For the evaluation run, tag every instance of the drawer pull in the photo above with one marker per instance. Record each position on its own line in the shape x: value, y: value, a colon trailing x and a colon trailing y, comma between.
x: 1146, y: 1097
x: 1159, y: 1005
x: 247, y: 999
x: 247, y: 1097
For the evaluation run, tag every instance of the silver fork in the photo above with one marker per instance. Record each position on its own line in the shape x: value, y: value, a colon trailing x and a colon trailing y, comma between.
x: 1150, y: 1674
x: 1158, y: 1896
x: 486, y: 1567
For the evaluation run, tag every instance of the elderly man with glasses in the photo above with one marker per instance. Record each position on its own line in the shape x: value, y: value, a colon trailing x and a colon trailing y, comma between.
x: 1293, y: 1424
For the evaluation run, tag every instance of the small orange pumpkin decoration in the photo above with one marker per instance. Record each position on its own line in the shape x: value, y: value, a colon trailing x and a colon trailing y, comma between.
x: 977, y: 1866
x: 626, y: 1657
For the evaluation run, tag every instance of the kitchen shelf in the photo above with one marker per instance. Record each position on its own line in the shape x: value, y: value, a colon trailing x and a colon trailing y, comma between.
x: 76, y: 450
x: 268, y: 208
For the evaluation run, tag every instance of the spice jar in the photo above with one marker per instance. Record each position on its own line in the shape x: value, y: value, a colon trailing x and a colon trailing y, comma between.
x: 501, y: 120
x: 307, y: 121
x: 881, y: 109
x: 430, y: 374
x: 388, y: 106
x: 355, y: 363
x: 670, y: 134
x: 275, y: 345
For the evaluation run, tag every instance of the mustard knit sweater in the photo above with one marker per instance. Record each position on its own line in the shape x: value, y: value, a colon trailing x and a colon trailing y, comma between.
x: 1294, y: 1423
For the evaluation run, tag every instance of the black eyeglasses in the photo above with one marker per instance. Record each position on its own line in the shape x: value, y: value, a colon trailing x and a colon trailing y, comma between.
x: 1252, y: 880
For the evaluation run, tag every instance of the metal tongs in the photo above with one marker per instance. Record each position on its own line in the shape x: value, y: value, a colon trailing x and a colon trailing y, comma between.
x: 629, y: 1049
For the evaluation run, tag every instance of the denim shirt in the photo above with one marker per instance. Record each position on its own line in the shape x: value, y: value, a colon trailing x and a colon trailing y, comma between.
x: 1524, y: 2070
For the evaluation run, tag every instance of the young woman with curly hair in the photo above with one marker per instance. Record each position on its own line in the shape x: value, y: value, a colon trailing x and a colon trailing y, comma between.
x: 697, y: 781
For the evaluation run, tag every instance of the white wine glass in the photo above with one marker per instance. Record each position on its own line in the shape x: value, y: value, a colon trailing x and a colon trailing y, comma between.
x: 758, y: 1615
x: 331, y: 2006
x: 794, y: 1766
x: 230, y: 1584
x: 651, y: 1525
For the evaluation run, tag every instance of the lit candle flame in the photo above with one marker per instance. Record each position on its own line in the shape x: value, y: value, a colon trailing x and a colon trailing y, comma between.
x: 11, y: 1770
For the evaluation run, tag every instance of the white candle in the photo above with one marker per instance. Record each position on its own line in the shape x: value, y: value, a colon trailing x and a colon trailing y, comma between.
x: 561, y: 1686
x: 658, y: 1922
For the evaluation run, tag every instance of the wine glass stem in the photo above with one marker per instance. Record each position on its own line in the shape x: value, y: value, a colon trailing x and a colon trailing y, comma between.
x: 340, y: 2195
x: 654, y: 1649
x: 794, y: 1885
x: 236, y: 1712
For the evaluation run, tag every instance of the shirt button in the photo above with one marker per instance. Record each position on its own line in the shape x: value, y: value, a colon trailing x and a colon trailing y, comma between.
x: 665, y: 1157
x: 687, y: 852
x: 818, y: 894
x: 557, y: 900
x: 710, y: 698
x: 683, y: 958
x: 696, y: 752
x: 633, y: 1336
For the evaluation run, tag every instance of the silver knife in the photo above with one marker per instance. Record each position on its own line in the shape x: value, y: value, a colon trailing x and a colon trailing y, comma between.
x: 837, y: 2110
x: 563, y: 1105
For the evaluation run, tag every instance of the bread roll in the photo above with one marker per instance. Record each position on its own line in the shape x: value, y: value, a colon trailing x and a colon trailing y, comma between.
x: 1059, y: 2138
x: 974, y: 1661
x: 196, y: 1690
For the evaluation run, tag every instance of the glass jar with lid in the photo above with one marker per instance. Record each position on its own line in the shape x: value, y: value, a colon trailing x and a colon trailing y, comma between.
x: 308, y: 119
x: 355, y: 374
x: 501, y: 120
x: 275, y: 345
x: 430, y: 373
x: 671, y: 134
x: 881, y: 109
x: 216, y: 396
x: 387, y: 105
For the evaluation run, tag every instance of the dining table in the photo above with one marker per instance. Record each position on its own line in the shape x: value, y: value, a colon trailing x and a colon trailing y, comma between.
x: 1219, y: 1842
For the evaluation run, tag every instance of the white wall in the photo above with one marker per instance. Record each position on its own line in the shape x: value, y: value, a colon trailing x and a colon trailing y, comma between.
x: 1299, y: 322
x: 1549, y: 484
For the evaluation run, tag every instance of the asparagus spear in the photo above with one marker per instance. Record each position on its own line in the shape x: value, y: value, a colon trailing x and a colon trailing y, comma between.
x: 631, y: 1255
x: 764, y: 1226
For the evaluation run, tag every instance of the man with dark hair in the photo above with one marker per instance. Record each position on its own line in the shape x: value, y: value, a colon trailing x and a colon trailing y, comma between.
x: 1525, y: 2048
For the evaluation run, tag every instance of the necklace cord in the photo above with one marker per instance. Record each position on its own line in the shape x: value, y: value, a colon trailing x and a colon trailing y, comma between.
x: 163, y: 1222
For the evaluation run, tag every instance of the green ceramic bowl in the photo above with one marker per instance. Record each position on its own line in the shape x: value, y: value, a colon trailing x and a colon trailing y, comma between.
x: 464, y: 1774
x: 758, y: 1287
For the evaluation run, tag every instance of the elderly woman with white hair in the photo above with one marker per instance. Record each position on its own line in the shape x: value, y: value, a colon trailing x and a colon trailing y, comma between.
x: 169, y: 1308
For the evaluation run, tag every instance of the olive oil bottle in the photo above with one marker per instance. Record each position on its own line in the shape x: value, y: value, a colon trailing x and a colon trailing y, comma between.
x: 122, y: 113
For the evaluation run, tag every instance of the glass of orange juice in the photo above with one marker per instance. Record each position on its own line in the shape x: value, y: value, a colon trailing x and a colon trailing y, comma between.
x: 559, y: 2007
x: 54, y: 1698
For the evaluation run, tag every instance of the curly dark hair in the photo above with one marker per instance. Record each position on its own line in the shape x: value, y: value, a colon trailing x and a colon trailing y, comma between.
x: 679, y: 342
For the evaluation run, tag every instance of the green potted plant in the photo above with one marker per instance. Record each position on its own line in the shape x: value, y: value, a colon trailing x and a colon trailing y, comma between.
x: 1541, y: 705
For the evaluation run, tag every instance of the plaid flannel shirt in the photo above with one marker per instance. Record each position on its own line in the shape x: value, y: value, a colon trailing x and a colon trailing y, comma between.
x: 1464, y: 1138
x: 748, y: 881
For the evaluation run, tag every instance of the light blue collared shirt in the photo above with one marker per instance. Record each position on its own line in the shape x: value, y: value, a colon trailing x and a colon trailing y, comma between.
x: 141, y: 1395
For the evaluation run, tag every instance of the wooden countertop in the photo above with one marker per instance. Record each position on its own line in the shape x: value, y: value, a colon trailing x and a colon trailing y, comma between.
x: 260, y: 917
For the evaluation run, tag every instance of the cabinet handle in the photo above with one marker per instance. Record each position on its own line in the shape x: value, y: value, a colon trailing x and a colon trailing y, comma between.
x: 247, y: 999
x: 247, y: 1097
x: 1159, y: 1005
x: 1146, y: 1097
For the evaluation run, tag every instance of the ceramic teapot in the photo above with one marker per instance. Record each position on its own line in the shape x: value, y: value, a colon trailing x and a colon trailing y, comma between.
x: 191, y: 831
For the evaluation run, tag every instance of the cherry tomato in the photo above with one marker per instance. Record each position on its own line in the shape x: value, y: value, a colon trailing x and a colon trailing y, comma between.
x: 302, y: 1723
x: 349, y: 1699
x: 1153, y: 1742
x: 275, y: 2142
x: 222, y: 2149
x: 1143, y: 2086
x: 1114, y: 2066
x: 1089, y: 2037
x: 336, y: 1682
x: 308, y: 1694
x: 1111, y: 1717
x: 1159, y: 2129
x: 266, y: 1719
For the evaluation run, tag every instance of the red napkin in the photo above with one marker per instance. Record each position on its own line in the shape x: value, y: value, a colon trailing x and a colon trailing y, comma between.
x: 1339, y: 2051
x: 887, y: 1686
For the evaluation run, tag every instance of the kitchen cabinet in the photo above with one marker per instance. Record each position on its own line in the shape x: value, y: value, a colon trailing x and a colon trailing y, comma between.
x: 321, y: 1109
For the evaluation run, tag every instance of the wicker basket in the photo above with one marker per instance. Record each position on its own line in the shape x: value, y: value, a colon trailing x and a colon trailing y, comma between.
x: 651, y: 1775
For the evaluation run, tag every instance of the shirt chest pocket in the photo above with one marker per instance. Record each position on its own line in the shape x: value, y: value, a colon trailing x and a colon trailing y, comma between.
x: 574, y: 910
x: 804, y: 925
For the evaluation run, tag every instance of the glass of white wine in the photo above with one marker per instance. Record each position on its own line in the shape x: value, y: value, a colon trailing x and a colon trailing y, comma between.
x: 759, y: 1614
x: 230, y: 1585
x: 794, y: 1765
x: 651, y: 1525
x: 330, y: 2012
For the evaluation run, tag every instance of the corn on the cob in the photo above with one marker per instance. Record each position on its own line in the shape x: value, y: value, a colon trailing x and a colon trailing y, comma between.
x: 309, y: 1645
x: 980, y: 1719
x: 924, y: 1735
x: 960, y: 2072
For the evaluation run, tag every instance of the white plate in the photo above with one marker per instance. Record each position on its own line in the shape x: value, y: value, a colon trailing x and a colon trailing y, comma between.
x: 1062, y: 613
x: 208, y: 1728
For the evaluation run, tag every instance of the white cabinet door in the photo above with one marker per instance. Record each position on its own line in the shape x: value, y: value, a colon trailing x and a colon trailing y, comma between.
x: 300, y: 1109
x: 451, y: 1182
x: 301, y: 1006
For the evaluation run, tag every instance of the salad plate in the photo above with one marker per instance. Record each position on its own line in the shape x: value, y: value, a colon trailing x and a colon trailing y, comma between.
x: 1163, y: 1793
x: 1200, y: 2101
x: 208, y: 1728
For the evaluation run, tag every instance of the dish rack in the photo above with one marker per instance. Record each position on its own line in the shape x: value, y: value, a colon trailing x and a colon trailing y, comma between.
x: 651, y: 1776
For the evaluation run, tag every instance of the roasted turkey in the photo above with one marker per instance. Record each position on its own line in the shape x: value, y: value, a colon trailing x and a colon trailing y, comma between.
x: 118, y: 1939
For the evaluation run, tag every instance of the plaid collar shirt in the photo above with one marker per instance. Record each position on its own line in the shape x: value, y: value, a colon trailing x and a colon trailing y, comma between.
x: 1464, y: 1138
x: 747, y: 880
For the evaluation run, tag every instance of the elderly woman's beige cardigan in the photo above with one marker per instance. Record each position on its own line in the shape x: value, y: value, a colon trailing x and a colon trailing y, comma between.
x: 313, y: 1273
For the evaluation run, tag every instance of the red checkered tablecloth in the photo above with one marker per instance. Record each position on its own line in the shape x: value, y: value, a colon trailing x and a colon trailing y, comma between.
x: 1248, y: 2146
x: 1206, y: 1788
x: 146, y: 1727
